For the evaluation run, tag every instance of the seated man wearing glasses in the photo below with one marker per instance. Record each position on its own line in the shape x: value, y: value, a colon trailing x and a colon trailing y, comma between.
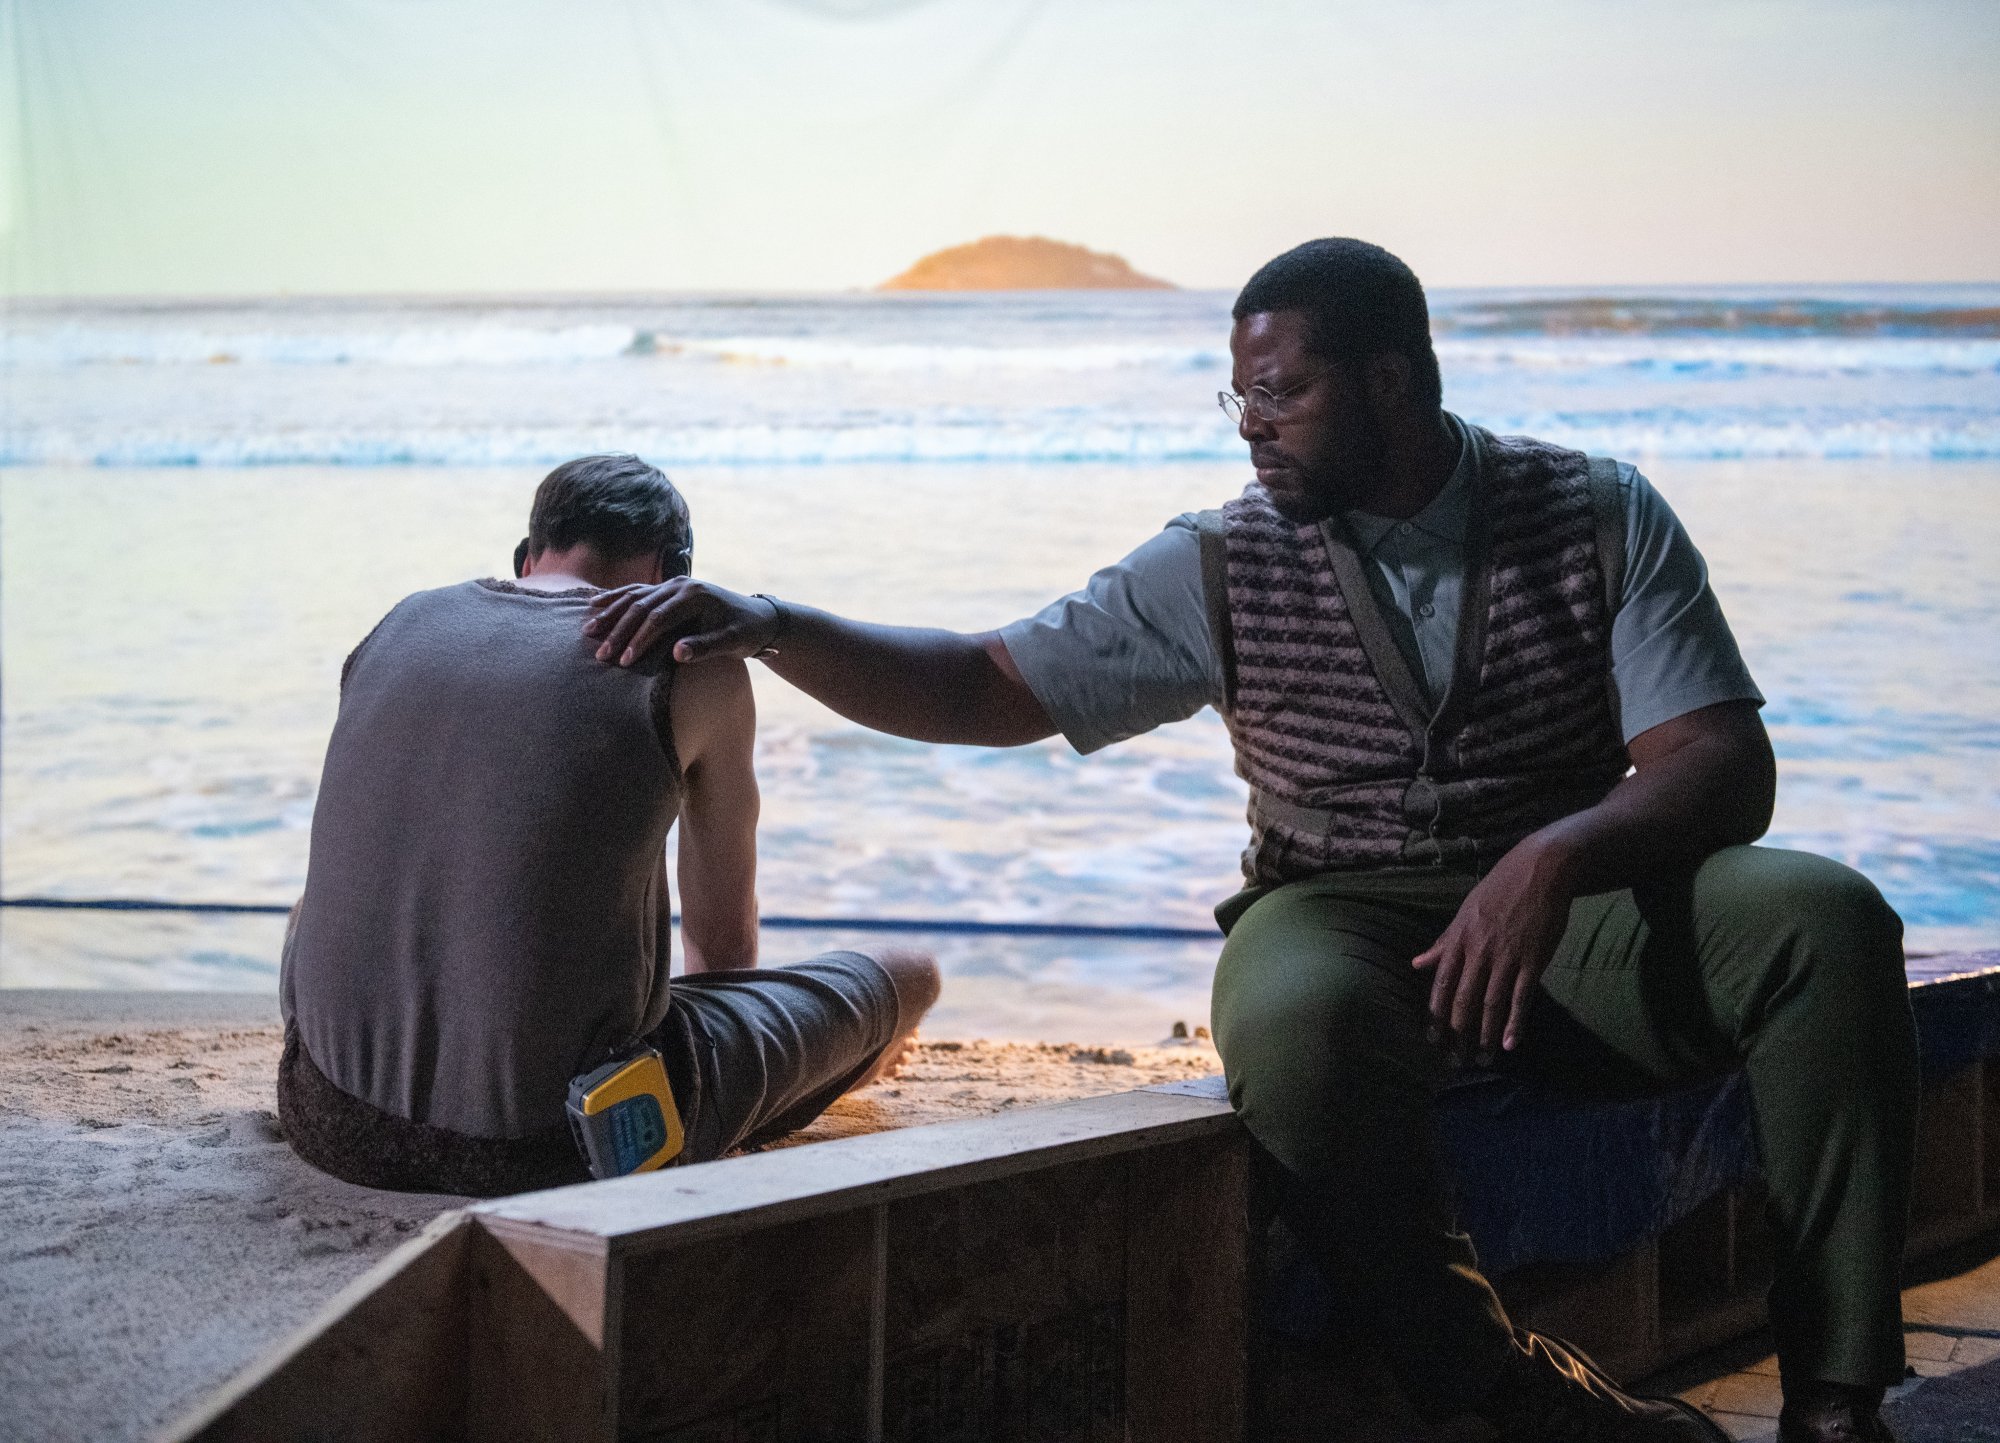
x: 486, y: 911
x: 1505, y: 763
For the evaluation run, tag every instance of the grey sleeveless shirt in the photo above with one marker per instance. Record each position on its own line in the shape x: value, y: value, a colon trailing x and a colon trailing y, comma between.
x: 486, y: 910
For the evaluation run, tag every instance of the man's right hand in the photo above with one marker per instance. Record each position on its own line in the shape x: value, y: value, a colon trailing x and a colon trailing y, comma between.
x: 919, y: 682
x: 704, y: 621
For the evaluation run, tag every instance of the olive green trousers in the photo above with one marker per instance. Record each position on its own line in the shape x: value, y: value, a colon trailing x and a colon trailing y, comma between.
x: 1785, y: 964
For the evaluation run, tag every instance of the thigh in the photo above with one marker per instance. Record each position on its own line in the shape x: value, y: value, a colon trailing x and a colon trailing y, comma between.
x: 765, y: 1050
x: 1660, y: 985
x: 1310, y: 945
x: 1315, y: 983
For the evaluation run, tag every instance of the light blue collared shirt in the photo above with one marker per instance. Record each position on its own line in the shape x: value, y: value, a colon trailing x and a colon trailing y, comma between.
x: 1417, y: 572
x: 1132, y: 649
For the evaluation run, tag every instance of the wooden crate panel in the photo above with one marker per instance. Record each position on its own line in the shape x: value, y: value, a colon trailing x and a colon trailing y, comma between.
x: 535, y: 1341
x: 1989, y: 1152
x: 759, y: 1338
x: 1610, y: 1310
x: 385, y: 1363
x: 1947, y: 1183
x: 1057, y: 1378
x: 1187, y: 1292
x: 1004, y: 1314
x: 1697, y: 1261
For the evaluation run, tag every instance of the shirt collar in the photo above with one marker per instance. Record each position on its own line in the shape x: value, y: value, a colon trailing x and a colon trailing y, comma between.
x: 1447, y: 515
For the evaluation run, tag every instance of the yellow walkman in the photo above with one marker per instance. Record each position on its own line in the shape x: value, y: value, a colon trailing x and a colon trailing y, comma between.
x: 623, y: 1116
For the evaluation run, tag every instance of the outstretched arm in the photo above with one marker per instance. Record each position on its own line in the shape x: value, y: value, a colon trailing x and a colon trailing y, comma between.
x: 919, y: 682
x: 715, y: 732
x: 1702, y: 781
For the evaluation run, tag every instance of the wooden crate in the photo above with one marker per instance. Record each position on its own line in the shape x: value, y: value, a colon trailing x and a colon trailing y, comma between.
x: 1715, y: 1264
x: 1065, y: 1274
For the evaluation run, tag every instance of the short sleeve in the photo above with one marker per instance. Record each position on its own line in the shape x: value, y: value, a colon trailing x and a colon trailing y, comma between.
x: 1128, y: 652
x: 1671, y: 648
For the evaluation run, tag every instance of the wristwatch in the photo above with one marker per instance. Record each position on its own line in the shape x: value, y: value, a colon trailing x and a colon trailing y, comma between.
x: 781, y: 616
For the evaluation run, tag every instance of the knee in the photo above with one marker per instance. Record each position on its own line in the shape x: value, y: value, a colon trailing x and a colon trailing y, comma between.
x: 1302, y: 1014
x: 1838, y: 923
x: 914, y: 975
x: 1837, y: 910
x: 1312, y: 1043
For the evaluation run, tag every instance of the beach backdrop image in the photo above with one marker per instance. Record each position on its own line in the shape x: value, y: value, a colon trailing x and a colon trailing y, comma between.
x: 255, y: 482
x: 924, y: 305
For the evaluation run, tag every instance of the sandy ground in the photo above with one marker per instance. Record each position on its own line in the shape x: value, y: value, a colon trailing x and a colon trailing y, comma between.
x: 160, y: 1235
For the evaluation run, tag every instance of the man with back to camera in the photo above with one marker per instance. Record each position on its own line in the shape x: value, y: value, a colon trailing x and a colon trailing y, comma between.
x: 486, y: 913
x: 1438, y: 652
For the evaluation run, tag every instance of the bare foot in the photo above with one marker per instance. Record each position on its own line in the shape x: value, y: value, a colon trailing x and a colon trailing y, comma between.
x: 890, y: 1063
x: 915, y: 976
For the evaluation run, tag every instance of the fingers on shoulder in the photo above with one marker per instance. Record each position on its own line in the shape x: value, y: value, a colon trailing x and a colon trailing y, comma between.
x: 654, y: 610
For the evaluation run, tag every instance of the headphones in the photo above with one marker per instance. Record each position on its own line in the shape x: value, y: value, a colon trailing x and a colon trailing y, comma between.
x: 678, y: 562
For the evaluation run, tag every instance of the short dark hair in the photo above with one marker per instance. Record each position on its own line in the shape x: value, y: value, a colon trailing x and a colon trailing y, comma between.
x: 617, y: 504
x: 1358, y: 299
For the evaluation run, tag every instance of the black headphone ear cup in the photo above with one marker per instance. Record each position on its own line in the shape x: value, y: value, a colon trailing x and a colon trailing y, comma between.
x: 521, y: 558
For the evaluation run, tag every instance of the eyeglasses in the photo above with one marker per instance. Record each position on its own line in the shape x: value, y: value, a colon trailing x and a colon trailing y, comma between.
x: 1264, y: 402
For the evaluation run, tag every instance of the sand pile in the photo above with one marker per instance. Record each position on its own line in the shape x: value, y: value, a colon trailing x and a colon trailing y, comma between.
x: 945, y: 1081
x: 160, y: 1234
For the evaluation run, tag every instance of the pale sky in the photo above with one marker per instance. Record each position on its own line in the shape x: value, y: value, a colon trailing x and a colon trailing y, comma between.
x: 258, y: 146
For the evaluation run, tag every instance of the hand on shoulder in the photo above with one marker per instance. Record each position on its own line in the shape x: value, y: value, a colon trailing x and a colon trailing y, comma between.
x: 702, y: 621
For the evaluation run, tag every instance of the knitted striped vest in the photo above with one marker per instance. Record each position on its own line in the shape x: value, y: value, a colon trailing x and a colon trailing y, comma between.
x: 1348, y: 766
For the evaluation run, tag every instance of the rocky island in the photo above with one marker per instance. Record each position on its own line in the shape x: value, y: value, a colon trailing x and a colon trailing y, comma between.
x: 1022, y: 263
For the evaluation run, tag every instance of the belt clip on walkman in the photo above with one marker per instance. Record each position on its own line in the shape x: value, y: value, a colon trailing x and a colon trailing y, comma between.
x: 623, y: 1116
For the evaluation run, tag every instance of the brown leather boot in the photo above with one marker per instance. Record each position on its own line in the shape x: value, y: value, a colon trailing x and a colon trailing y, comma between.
x: 1832, y: 1413
x: 1551, y: 1393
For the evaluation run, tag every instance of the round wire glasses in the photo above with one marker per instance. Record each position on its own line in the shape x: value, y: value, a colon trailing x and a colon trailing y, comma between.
x: 1265, y: 402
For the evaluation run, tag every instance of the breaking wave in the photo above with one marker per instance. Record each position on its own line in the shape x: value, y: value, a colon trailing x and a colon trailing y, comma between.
x: 1010, y: 440
x: 1882, y: 372
x: 506, y: 345
x: 485, y: 345
x: 1724, y: 357
x: 80, y: 343
x: 1970, y: 311
x: 849, y: 355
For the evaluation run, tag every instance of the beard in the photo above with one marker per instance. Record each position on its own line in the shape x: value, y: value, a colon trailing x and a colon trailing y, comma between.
x: 1308, y: 492
x: 1301, y: 508
x: 1299, y: 495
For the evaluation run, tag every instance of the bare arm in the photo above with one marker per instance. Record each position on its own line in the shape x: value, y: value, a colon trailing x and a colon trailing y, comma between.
x: 919, y: 682
x: 1703, y: 781
x: 715, y: 732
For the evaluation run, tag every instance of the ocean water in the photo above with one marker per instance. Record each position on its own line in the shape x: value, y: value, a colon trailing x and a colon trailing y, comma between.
x: 204, y: 506
x: 1866, y: 372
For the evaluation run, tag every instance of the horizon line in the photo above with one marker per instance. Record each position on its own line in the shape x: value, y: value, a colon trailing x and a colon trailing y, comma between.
x: 1623, y: 289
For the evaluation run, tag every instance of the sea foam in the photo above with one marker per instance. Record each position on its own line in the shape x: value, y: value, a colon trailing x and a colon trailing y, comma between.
x: 1060, y: 440
x: 1049, y: 378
